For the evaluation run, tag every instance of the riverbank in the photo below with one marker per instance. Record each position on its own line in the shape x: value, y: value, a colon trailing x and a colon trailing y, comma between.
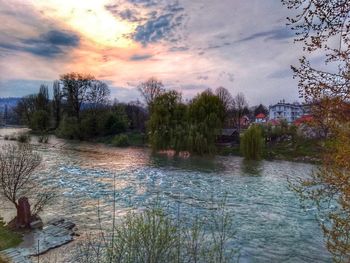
x: 302, y: 150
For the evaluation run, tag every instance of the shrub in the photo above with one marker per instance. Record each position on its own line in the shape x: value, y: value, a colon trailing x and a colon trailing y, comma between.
x: 69, y: 128
x: 40, y: 121
x: 43, y: 138
x: 23, y: 138
x: 153, y: 236
x: 121, y: 140
x: 252, y: 143
x: 6, y: 137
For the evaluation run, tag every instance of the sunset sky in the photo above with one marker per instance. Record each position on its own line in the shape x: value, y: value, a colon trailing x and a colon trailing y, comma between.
x: 242, y: 45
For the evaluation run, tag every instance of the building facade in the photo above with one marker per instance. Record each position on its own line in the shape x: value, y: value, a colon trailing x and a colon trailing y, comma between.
x: 287, y: 111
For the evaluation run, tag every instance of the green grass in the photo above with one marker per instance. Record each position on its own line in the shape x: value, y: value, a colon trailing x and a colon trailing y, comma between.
x: 134, y: 139
x: 299, y: 150
x: 8, y: 238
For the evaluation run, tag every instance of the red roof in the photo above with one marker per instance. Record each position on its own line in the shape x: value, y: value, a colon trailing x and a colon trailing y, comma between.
x: 260, y: 116
x: 274, y: 122
x: 303, y: 119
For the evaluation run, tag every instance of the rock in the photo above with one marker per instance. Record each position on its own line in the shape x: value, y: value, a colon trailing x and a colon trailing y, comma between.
x: 36, y: 224
x: 23, y: 213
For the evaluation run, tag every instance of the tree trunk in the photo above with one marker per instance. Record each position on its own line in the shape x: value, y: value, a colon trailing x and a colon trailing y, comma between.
x: 23, y: 213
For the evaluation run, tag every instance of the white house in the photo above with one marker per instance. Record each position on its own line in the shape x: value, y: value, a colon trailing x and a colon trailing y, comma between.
x: 286, y: 111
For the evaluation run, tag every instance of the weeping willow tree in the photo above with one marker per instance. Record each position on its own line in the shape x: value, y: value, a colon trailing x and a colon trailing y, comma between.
x: 252, y: 143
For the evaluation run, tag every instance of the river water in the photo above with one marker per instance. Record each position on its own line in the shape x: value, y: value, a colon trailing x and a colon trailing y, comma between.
x: 271, y: 226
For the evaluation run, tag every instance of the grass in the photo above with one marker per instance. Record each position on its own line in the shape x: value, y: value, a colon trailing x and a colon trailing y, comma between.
x: 8, y: 238
x: 300, y: 150
x: 134, y: 139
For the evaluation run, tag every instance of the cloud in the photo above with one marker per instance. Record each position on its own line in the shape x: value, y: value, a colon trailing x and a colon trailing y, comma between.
x: 275, y: 34
x: 161, y: 24
x: 138, y: 57
x: 48, y: 45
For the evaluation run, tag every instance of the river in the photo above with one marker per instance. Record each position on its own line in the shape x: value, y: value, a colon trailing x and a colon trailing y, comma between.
x: 271, y: 226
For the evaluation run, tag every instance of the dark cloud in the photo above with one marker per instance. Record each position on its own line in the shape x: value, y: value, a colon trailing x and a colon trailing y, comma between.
x: 161, y: 24
x: 178, y: 49
x: 138, y: 57
x: 155, y: 29
x: 49, y: 44
x: 125, y: 14
x: 203, y: 77
x: 275, y: 34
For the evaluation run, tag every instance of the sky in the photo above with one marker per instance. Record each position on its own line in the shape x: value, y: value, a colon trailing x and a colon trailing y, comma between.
x: 190, y: 45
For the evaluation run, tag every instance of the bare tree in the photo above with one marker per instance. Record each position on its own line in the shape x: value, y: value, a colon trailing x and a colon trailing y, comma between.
x: 17, y: 165
x: 75, y: 90
x: 225, y: 97
x: 239, y: 107
x: 97, y: 94
x: 151, y: 89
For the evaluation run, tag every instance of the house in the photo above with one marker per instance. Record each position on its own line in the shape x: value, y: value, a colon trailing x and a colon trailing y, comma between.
x: 228, y: 136
x: 260, y: 118
x: 287, y: 111
x: 305, y: 119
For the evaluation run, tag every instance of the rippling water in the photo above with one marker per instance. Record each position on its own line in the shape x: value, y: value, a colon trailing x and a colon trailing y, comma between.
x: 271, y: 226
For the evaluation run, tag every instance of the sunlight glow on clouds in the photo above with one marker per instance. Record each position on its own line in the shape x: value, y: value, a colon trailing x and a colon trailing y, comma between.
x: 189, y: 45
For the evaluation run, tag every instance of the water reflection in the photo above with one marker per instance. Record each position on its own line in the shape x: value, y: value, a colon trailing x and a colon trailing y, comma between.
x: 252, y: 167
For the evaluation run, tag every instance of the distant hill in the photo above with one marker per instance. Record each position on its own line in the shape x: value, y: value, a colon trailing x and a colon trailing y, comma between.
x: 10, y: 102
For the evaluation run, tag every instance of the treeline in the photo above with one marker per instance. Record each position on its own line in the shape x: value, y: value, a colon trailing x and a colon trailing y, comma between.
x: 80, y: 108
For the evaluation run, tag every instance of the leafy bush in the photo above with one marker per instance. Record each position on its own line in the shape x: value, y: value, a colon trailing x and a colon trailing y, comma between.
x: 121, y: 140
x: 69, y: 128
x: 40, y: 121
x: 252, y: 143
x: 153, y: 236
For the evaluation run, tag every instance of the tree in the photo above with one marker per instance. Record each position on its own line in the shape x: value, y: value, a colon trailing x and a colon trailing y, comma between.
x: 324, y: 26
x: 167, y: 123
x: 261, y: 109
x: 151, y: 89
x: 56, y: 103
x: 75, y: 91
x: 17, y: 166
x: 206, y: 117
x: 97, y: 94
x: 240, y: 106
x: 226, y: 98
x: 42, y: 98
x: 252, y: 143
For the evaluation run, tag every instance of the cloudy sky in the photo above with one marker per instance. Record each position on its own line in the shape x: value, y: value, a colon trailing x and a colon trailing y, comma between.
x: 242, y: 45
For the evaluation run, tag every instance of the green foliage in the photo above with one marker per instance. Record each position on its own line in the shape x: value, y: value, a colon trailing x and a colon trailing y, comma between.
x: 121, y: 140
x: 252, y: 143
x: 8, y: 238
x: 155, y: 237
x: 114, y: 122
x: 206, y: 116
x: 194, y: 127
x: 167, y: 122
x: 69, y: 128
x: 40, y: 121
